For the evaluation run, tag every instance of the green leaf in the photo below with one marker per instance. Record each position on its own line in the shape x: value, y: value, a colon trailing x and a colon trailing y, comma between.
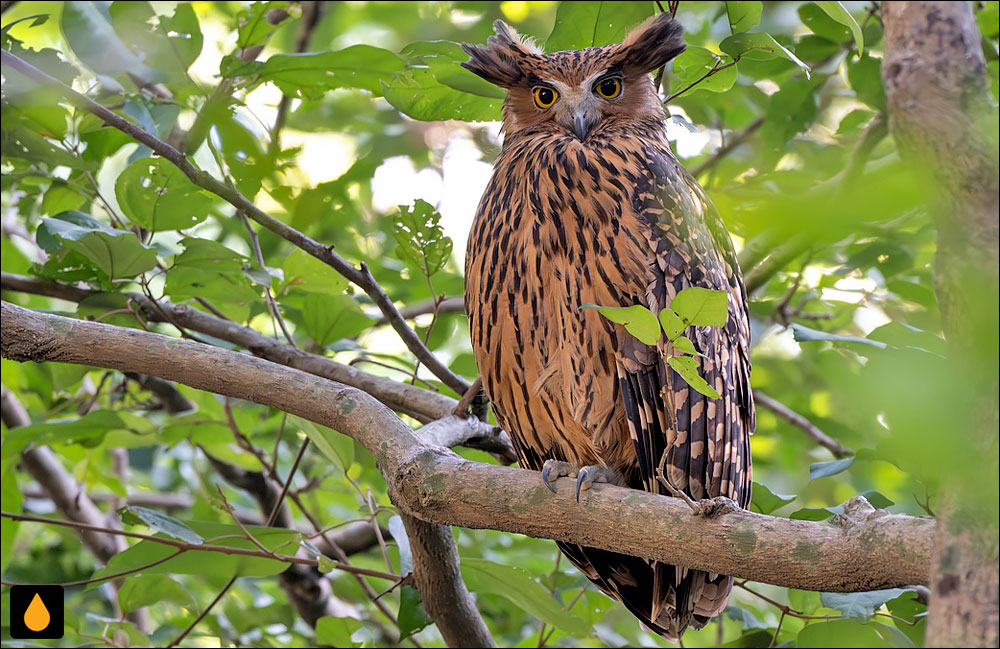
x: 88, y: 30
x: 444, y: 59
x: 860, y: 606
x: 211, y: 271
x: 420, y: 95
x: 805, y: 334
x: 701, y: 307
x: 327, y: 318
x: 695, y: 62
x: 118, y: 253
x: 87, y: 430
x: 811, y: 514
x: 865, y: 77
x: 336, y: 631
x: 684, y: 344
x: 152, y: 590
x: 759, y: 46
x: 310, y: 74
x: 518, y: 586
x: 822, y: 25
x: 837, y: 11
x: 136, y: 515
x: 155, y: 195
x: 833, y: 467
x: 256, y: 25
x: 326, y: 564
x: 592, y: 24
x: 672, y: 324
x: 766, y: 501
x: 22, y: 142
x: 168, y: 43
x: 743, y: 15
x: 687, y: 367
x: 420, y: 239
x: 637, y: 320
x: 840, y: 633
x: 304, y: 271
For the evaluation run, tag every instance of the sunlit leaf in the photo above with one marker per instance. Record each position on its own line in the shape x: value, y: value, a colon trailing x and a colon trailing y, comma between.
x: 743, y: 15
x: 637, y: 320
x: 701, y: 307
x: 155, y: 195
x: 687, y: 367
x: 420, y: 239
x: 588, y: 24
x: 119, y: 253
x: 837, y: 11
x: 695, y: 64
x: 759, y: 46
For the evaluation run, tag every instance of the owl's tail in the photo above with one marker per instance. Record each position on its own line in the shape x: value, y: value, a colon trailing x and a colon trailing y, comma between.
x: 667, y: 599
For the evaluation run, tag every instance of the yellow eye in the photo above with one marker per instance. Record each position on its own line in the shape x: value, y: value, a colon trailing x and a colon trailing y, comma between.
x: 545, y: 96
x: 609, y: 88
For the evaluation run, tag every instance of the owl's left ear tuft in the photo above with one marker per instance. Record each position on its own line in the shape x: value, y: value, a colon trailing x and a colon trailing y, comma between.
x: 505, y: 58
x: 656, y: 41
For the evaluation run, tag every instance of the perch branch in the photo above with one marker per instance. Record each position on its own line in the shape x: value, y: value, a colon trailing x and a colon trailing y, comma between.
x: 863, y: 549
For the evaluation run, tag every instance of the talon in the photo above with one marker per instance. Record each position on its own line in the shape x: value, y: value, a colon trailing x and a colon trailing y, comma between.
x: 581, y: 480
x: 545, y: 477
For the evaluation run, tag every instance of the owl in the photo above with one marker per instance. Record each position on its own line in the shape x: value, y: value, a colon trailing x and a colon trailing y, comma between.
x: 588, y: 204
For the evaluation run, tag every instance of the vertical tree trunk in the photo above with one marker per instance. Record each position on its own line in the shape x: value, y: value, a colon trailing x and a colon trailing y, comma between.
x: 945, y: 125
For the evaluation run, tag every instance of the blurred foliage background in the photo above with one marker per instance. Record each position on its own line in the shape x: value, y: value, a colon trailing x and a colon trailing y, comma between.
x: 375, y: 141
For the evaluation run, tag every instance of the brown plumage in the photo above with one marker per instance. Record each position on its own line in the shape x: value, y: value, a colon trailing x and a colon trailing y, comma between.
x: 587, y: 204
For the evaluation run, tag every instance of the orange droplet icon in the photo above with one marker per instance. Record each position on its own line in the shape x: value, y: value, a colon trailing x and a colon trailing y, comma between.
x: 36, y: 617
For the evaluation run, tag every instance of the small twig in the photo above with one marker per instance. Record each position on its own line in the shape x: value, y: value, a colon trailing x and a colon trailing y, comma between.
x: 201, y: 616
x: 718, y: 67
x: 724, y: 150
x: 117, y: 575
x: 288, y: 481
x: 272, y: 304
x: 463, y: 405
x: 239, y: 524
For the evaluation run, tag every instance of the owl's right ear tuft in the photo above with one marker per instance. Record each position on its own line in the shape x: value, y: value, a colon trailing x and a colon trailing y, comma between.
x: 504, y: 59
x: 654, y: 42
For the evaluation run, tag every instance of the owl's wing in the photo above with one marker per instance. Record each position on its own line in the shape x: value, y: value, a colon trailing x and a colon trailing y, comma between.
x: 703, y: 442
x: 706, y: 440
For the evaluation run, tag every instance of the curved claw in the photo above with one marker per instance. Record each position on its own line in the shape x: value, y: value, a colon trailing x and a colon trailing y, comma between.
x: 546, y: 470
x: 581, y: 479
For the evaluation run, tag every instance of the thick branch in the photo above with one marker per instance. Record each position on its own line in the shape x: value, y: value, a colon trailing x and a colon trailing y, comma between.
x: 422, y: 405
x: 862, y: 552
x: 361, y: 277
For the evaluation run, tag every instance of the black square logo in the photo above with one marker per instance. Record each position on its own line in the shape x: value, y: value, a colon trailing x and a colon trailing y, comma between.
x: 36, y: 612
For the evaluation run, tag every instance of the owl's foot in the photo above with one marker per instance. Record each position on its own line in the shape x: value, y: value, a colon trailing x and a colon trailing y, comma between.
x: 585, y: 476
x: 707, y: 507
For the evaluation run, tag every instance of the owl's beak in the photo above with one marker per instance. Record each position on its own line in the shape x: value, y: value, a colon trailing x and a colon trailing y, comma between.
x: 582, y: 125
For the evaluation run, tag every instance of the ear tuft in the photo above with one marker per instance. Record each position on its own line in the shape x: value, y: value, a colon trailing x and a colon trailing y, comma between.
x: 503, y: 60
x: 657, y: 40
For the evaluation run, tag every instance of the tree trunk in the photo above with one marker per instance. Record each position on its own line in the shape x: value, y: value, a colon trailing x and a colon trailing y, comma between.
x: 945, y: 125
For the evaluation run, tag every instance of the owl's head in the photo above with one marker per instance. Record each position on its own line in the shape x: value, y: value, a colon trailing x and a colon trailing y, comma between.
x: 576, y: 91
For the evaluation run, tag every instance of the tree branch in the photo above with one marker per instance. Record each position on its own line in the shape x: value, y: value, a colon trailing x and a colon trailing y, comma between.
x: 860, y: 550
x: 361, y: 277
x: 423, y: 405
